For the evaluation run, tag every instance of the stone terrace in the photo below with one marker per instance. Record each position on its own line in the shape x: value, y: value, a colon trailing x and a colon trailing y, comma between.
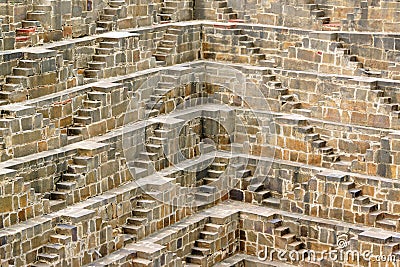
x: 199, y: 133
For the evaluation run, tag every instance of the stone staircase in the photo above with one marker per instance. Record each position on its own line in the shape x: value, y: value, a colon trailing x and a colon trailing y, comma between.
x: 362, y: 204
x: 205, y: 246
x: 70, y: 181
x: 166, y: 48
x: 153, y: 158
x: 351, y: 61
x: 28, y: 34
x: 93, y: 111
x: 39, y: 14
x: 169, y: 10
x: 328, y: 153
x: 262, y: 195
x: 117, y: 9
x: 384, y: 220
x: 55, y: 250
x: 217, y: 10
x: 103, y: 58
x: 323, y: 22
x: 285, y: 239
x: 88, y: 114
x: 248, y: 47
x: 288, y: 102
x: 139, y: 225
x: 215, y: 170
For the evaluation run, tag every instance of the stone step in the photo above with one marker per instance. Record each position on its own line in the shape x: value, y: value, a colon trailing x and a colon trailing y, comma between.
x: 148, y: 156
x: 96, y: 65
x: 206, y: 235
x: 108, y: 25
x: 104, y: 51
x: 144, y: 213
x: 160, y: 63
x: 107, y: 44
x: 176, y: 31
x: 246, y: 43
x: 90, y: 104
x: 361, y: 200
x: 197, y: 259
x: 214, y: 173
x: 218, y: 166
x: 317, y: 13
x: 161, y: 56
x: 326, y: 150
x: 318, y: 143
x: 208, y: 181
x: 225, y: 10
x: 144, y: 164
x: 204, y: 197
x: 367, y: 208
x: 98, y: 96
x: 139, y: 172
x: 260, y: 196
x: 93, y: 73
x: 202, y: 243
x: 105, y: 17
x: 170, y: 37
x: 243, y: 173
x: 135, y: 230
x: 162, y: 133
x: 162, y: 92
x: 168, y: 10
x: 57, y: 195
x: 99, y: 30
x: 324, y: 20
x: 272, y: 202
x: 200, y: 251
x: 207, y: 189
x: 23, y: 80
x: 66, y: 186
x: 330, y: 157
x: 165, y: 17
x: 57, y: 249
x: 12, y: 87
x: 355, y: 192
x: 67, y: 230
x: 49, y: 258
x: 295, y: 246
x: 23, y: 71
x: 140, y: 262
x: 303, y: 111
x: 385, y: 100
x: 286, y: 98
x: 387, y: 224
x: 116, y: 3
x: 312, y: 136
x: 146, y: 203
x: 75, y: 168
x: 164, y: 50
x: 153, y: 148
x: 157, y: 140
x: 56, y: 205
x: 137, y: 221
x: 281, y: 231
x: 168, y: 43
x: 75, y: 130
x: 82, y: 120
x: 275, y: 223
